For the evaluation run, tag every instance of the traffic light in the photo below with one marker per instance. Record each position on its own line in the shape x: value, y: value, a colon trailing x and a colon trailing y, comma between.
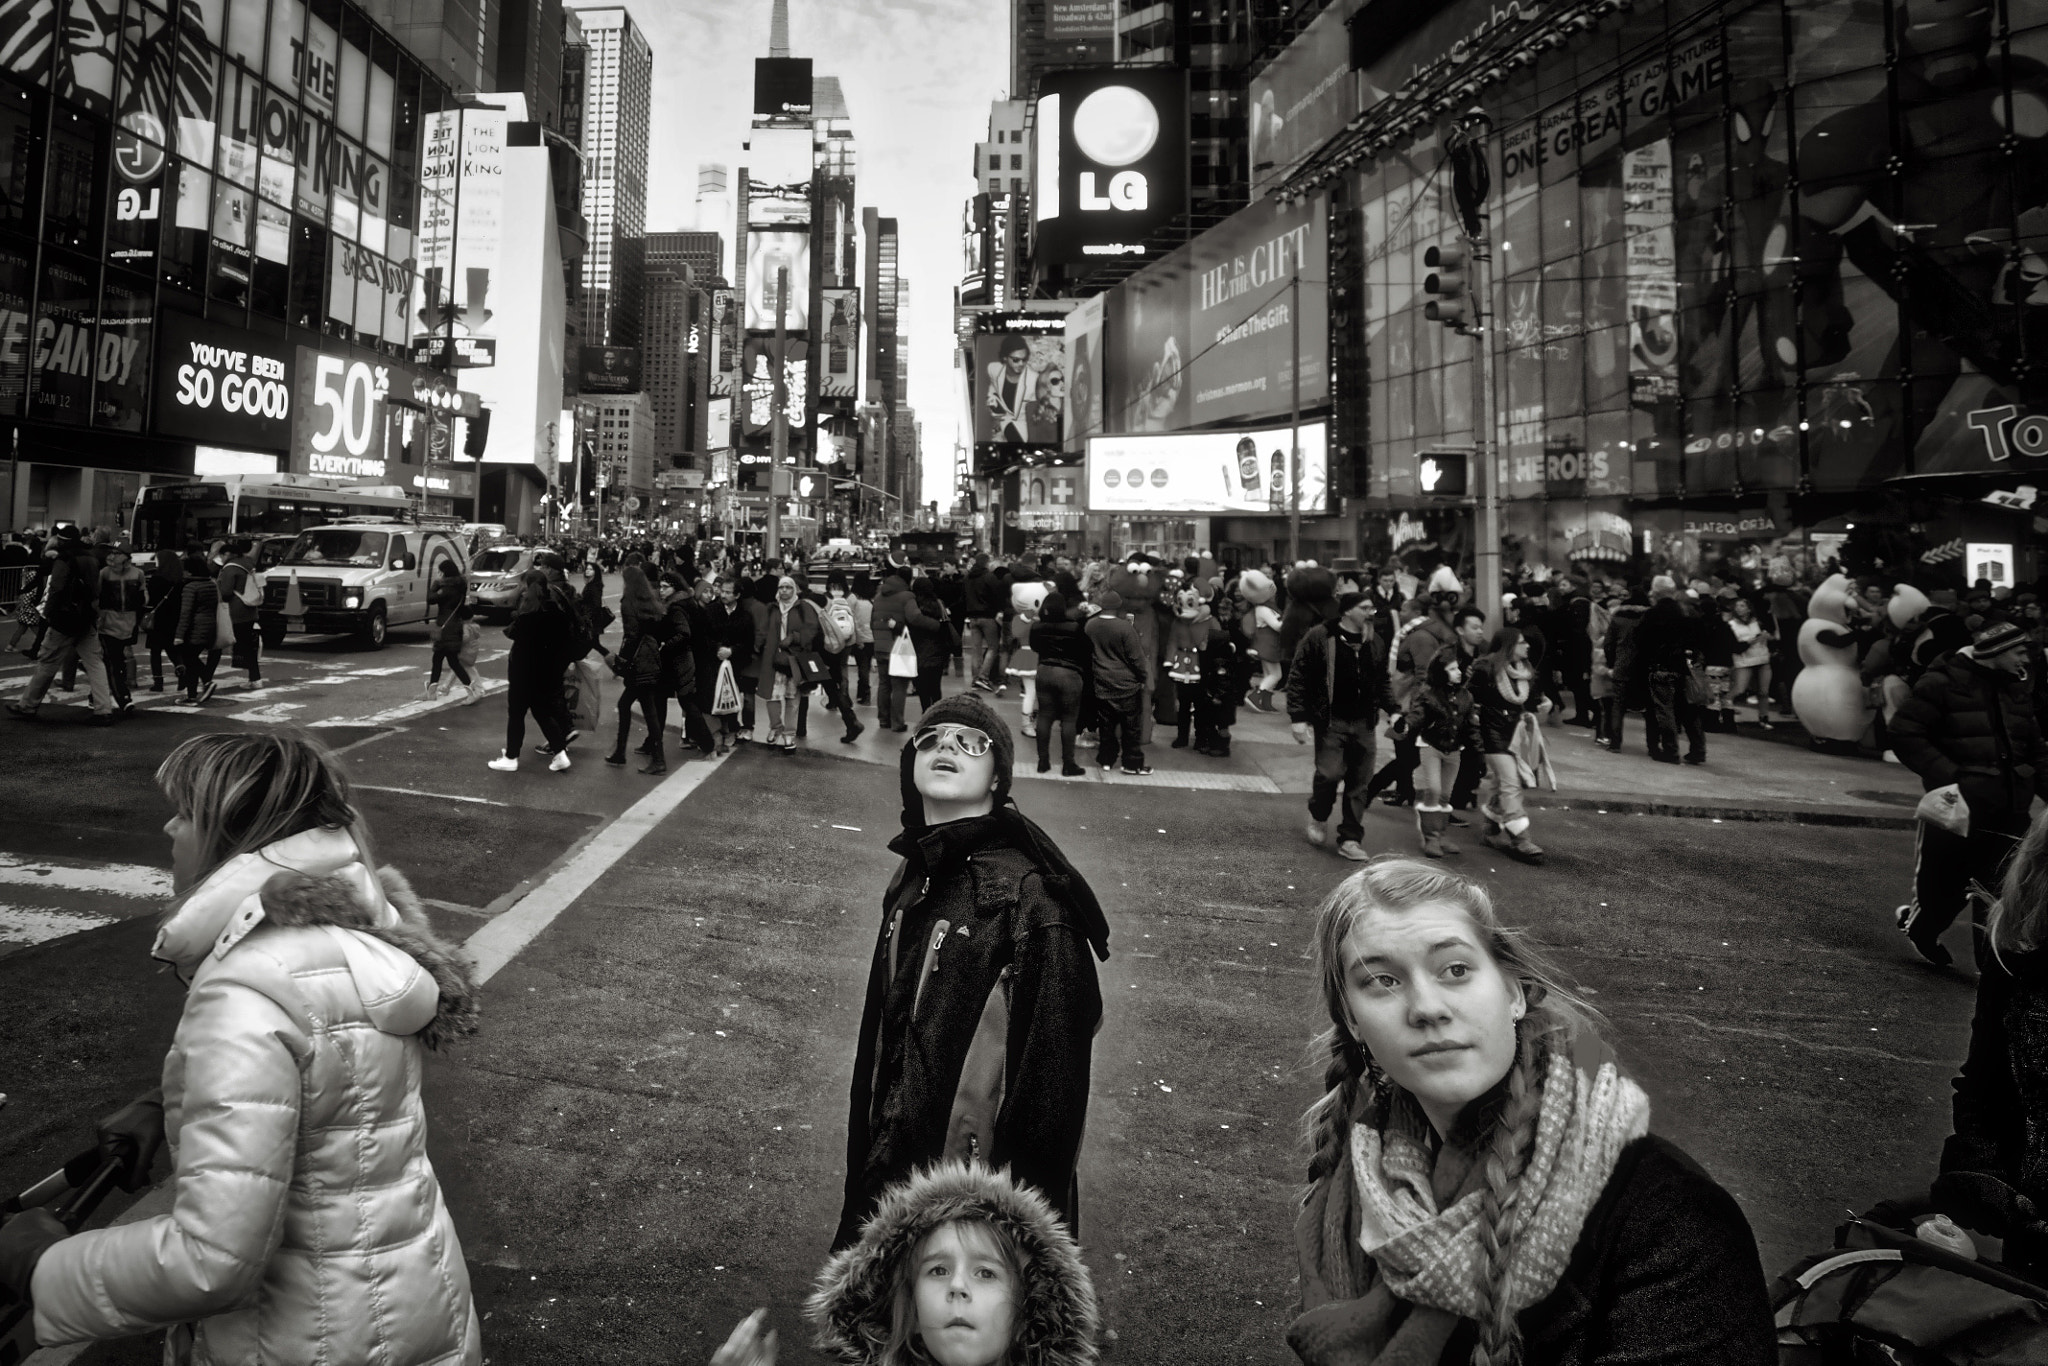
x: 1443, y: 474
x: 1449, y: 282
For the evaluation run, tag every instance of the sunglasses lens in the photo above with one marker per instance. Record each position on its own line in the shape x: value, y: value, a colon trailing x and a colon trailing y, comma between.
x: 972, y: 743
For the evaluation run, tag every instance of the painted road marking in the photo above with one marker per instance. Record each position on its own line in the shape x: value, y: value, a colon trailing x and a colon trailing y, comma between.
x: 45, y: 899
x: 1194, y: 782
x: 499, y: 942
x: 438, y: 796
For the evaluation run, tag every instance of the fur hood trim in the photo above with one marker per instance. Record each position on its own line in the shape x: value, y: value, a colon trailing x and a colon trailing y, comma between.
x: 294, y: 899
x: 853, y: 1301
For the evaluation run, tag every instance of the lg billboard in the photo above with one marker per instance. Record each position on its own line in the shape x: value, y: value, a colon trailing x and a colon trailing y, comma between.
x: 1112, y: 157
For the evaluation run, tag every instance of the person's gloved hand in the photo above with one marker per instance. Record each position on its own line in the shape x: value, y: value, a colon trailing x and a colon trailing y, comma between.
x: 23, y: 1241
x: 1984, y: 1202
x: 141, y: 1124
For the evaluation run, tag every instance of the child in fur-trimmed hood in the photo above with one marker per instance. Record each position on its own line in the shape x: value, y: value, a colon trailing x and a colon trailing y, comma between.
x: 959, y: 1265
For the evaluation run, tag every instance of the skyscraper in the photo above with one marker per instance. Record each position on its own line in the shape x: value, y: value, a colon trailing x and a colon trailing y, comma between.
x: 618, y: 78
x: 530, y: 57
x: 682, y: 269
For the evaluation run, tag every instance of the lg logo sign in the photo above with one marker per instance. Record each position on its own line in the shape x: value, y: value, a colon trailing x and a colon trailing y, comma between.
x: 1113, y: 127
x: 1111, y: 162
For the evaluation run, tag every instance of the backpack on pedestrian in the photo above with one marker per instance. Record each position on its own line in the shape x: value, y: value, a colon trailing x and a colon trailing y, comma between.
x: 1888, y: 1295
x: 835, y: 626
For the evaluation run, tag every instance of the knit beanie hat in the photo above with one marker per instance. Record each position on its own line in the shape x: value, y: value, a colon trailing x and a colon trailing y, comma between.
x: 1999, y: 637
x: 1110, y: 601
x: 963, y: 709
x: 1054, y: 608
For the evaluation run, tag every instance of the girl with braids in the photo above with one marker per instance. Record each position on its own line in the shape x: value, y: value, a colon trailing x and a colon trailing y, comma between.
x: 1484, y: 1188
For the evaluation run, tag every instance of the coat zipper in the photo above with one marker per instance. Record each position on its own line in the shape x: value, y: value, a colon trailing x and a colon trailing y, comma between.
x: 931, y: 964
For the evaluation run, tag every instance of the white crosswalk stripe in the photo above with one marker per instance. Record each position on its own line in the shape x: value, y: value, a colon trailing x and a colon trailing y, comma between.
x: 48, y: 898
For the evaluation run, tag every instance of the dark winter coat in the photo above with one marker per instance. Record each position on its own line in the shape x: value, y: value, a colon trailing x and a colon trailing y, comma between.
x: 198, y: 613
x: 804, y: 634
x: 1120, y: 668
x: 981, y: 1012
x: 893, y: 607
x: 1495, y: 714
x: 1665, y: 1271
x: 1442, y: 716
x: 1975, y: 727
x: 543, y: 641
x: 1313, y: 677
x: 1063, y: 644
x: 1631, y: 678
x: 71, y: 599
x: 854, y: 1304
x: 447, y: 595
x: 235, y: 577
x: 640, y: 658
x: 932, y: 632
x: 736, y: 633
x: 2001, y: 1093
x: 679, y: 647
x: 981, y: 595
x: 1664, y: 636
x: 166, y: 589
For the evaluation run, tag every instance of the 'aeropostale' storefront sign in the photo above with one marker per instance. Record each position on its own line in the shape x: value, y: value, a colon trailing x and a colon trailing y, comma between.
x: 222, y: 386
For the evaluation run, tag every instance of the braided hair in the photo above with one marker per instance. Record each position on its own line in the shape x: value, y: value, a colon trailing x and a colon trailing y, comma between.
x: 1356, y: 1090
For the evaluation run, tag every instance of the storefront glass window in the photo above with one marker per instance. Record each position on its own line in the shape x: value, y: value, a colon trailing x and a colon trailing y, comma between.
x: 17, y: 148
x: 307, y: 300
x: 86, y: 44
x: 71, y: 188
x: 14, y: 328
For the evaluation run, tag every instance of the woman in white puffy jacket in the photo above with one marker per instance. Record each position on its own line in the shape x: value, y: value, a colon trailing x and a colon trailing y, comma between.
x: 306, y: 1222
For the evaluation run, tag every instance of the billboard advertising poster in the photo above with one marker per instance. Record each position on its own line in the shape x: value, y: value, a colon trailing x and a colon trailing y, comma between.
x: 779, y: 166
x: 767, y: 253
x: 782, y: 87
x: 1084, y: 371
x: 121, y: 358
x: 222, y: 386
x: 62, y: 353
x: 1148, y: 379
x: 719, y: 424
x: 1239, y: 312
x: 1080, y: 21
x: 1303, y: 97
x: 842, y: 344
x: 610, y: 369
x: 341, y: 415
x: 1207, y: 473
x: 1020, y: 389
x: 1112, y: 151
x: 757, y: 407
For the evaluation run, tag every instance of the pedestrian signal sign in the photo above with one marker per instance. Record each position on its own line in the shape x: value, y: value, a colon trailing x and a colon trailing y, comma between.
x: 1444, y: 474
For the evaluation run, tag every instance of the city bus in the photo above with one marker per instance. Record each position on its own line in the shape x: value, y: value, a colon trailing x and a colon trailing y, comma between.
x: 174, y: 516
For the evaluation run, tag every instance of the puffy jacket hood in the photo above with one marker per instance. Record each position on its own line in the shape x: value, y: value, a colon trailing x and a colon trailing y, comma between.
x: 1057, y: 1322
x: 408, y: 980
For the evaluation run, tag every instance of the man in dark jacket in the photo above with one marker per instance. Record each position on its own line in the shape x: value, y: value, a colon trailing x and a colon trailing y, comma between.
x: 980, y: 605
x: 982, y: 1002
x: 893, y: 608
x: 1337, y: 687
x: 1119, y: 673
x: 71, y: 608
x: 1662, y: 642
x: 1970, y: 722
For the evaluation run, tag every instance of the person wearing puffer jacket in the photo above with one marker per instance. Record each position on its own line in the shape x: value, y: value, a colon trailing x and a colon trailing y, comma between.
x: 306, y: 1221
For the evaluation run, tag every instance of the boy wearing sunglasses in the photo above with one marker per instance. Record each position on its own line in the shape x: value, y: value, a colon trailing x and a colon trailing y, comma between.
x: 986, y: 955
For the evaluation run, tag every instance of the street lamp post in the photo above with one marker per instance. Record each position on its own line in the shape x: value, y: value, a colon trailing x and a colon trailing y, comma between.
x: 779, y: 443
x: 1294, y: 430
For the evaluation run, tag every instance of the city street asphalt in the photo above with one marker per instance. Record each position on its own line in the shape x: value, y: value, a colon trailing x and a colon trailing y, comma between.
x: 646, y: 1141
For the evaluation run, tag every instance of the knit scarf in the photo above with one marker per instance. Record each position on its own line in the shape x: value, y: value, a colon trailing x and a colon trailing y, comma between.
x: 1514, y: 682
x: 1415, y: 1216
x: 1433, y: 1257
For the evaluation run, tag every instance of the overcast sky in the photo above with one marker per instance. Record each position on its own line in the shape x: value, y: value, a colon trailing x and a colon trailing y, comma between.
x: 918, y: 77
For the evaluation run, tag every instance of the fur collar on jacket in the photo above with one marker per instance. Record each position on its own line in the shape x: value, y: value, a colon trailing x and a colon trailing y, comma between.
x: 318, y: 878
x: 854, y: 1300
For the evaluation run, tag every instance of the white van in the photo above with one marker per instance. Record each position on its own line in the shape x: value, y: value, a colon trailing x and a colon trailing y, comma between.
x: 359, y: 577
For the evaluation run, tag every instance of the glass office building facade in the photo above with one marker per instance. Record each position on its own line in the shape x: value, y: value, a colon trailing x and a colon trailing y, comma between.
x: 1754, y: 264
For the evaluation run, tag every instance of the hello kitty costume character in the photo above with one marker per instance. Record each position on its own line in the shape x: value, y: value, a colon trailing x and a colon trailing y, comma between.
x: 1025, y: 600
x: 1828, y: 696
